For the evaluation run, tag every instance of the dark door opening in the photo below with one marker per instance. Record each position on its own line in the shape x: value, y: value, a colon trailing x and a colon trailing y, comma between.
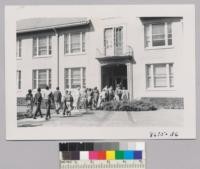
x: 111, y: 75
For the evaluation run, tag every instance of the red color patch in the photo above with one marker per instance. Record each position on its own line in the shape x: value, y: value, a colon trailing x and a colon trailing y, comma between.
x: 101, y: 155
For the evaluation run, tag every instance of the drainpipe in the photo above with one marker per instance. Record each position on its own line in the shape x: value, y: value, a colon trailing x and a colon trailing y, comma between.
x: 57, y: 54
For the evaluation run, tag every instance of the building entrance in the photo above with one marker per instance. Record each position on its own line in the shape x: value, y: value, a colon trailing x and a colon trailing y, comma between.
x: 111, y: 75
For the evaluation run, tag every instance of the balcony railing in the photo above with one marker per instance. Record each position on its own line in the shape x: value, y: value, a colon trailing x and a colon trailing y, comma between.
x: 128, y: 51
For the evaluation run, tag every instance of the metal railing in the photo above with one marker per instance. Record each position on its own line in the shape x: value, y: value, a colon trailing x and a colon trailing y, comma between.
x: 127, y: 51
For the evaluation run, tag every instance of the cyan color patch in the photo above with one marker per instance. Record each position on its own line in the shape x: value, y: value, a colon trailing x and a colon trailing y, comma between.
x: 128, y: 155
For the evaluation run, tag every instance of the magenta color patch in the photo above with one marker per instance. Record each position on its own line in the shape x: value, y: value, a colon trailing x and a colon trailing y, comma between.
x: 93, y: 155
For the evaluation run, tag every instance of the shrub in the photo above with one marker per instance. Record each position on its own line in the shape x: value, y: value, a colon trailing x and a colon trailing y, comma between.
x: 166, y: 102
x: 139, y: 105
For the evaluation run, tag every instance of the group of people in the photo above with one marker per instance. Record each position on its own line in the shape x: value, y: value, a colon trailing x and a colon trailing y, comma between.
x: 85, y: 98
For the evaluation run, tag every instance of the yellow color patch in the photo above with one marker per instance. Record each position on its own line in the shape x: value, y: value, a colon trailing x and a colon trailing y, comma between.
x: 110, y: 155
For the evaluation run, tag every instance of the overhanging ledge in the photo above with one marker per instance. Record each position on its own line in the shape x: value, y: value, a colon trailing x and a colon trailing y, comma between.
x: 117, y: 59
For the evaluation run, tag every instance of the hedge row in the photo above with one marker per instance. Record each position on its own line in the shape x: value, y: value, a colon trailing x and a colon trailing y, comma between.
x: 138, y: 105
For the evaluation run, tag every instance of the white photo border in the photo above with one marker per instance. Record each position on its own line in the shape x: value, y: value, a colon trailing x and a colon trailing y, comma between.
x: 14, y: 13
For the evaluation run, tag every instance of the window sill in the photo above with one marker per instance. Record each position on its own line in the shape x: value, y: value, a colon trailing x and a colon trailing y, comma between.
x: 72, y: 54
x: 159, y: 47
x: 41, y: 56
x: 161, y: 89
x: 19, y: 58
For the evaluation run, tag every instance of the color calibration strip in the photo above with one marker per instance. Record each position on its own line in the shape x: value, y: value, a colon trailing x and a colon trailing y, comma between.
x: 102, y: 155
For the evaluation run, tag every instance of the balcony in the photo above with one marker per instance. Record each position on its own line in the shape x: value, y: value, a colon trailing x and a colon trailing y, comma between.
x: 115, y: 55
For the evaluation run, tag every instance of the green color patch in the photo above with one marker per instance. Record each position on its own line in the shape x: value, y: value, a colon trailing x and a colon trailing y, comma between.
x: 119, y: 155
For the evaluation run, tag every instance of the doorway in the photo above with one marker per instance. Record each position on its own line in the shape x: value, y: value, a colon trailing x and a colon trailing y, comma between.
x: 111, y: 75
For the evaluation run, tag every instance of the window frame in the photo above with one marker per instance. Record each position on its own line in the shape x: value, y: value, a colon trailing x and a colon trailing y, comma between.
x: 114, y: 41
x: 48, y: 77
x: 166, y: 33
x: 151, y: 85
x: 48, y: 46
x: 69, y: 78
x: 82, y: 36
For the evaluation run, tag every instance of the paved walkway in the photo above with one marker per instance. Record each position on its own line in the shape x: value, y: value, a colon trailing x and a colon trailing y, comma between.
x: 163, y: 117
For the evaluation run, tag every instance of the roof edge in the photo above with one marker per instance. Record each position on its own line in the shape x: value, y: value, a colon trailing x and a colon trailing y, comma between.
x: 80, y: 23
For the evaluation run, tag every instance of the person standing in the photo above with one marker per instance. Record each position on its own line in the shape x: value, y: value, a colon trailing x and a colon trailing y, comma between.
x: 83, y: 99
x: 111, y: 93
x: 38, y: 101
x: 29, y: 102
x: 95, y: 97
x: 57, y: 100
x: 89, y: 95
x: 48, y: 96
x: 68, y: 103
x: 118, y: 93
x: 102, y: 98
x: 76, y: 96
x: 125, y: 95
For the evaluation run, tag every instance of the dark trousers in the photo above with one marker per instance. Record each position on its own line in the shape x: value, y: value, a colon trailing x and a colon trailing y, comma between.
x: 68, y: 108
x: 48, y: 107
x: 38, y: 110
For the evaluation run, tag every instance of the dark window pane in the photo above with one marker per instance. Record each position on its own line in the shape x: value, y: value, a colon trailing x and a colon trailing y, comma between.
x: 169, y: 41
x: 34, y: 46
x: 83, y: 42
x: 66, y: 43
x: 50, y: 45
x: 159, y: 43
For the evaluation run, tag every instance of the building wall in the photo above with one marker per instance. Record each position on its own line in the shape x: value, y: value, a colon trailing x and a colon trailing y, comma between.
x: 27, y: 63
x: 133, y: 35
x: 86, y: 59
x: 149, y: 56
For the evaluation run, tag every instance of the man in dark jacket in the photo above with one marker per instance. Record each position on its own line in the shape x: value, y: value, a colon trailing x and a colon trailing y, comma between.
x: 38, y: 101
x: 57, y: 100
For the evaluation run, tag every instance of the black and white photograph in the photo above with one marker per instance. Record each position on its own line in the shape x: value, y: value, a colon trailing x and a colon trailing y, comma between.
x: 100, y: 72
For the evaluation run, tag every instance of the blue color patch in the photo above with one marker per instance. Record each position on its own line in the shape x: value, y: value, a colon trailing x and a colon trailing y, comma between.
x: 138, y: 155
x: 128, y: 155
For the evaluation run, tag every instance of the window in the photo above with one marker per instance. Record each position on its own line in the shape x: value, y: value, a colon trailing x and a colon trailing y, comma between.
x: 74, y: 42
x: 19, y: 77
x: 42, y: 45
x: 159, y: 75
x: 74, y: 78
x: 41, y: 78
x: 158, y: 34
x: 113, y: 41
x: 19, y: 48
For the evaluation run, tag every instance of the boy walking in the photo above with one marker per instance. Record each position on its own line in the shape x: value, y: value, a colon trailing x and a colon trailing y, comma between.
x: 57, y: 100
x: 48, y: 96
x: 38, y: 101
x: 68, y: 103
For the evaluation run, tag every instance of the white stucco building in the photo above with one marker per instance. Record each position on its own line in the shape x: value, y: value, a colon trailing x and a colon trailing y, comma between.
x: 142, y: 54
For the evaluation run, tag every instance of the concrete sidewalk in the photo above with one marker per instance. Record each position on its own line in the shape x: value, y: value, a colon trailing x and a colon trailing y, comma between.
x: 96, y: 118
